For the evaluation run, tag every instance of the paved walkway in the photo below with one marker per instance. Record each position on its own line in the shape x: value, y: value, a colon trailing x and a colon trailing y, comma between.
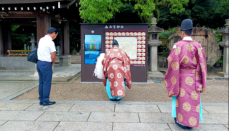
x: 102, y: 116
x: 28, y: 115
x: 61, y: 74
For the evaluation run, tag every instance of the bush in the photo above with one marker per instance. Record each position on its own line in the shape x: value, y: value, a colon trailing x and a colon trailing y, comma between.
x: 165, y: 34
x: 74, y: 52
x: 217, y: 36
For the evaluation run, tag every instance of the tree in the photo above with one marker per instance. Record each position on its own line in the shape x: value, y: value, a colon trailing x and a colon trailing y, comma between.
x: 209, y: 13
x: 100, y: 11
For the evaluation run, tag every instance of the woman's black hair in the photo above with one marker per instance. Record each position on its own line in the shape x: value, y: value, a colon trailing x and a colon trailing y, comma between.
x: 115, y: 42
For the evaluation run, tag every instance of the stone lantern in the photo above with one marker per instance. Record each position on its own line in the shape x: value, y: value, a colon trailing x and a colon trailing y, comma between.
x: 225, y: 44
x: 154, y: 43
x: 32, y: 41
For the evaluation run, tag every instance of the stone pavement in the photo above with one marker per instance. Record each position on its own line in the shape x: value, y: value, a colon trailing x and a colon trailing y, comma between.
x: 61, y: 74
x: 102, y: 116
x: 28, y: 115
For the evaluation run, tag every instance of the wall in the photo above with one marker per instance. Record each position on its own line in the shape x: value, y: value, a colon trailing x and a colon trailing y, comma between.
x: 16, y: 63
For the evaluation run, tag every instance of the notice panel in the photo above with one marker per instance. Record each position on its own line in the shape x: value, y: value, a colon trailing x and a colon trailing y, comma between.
x: 129, y: 45
x: 132, y: 42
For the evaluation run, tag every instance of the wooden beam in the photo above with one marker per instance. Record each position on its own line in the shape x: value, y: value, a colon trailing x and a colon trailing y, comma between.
x: 28, y: 1
x: 64, y: 38
x: 9, y: 39
x: 6, y: 37
x: 23, y: 24
x: 20, y: 12
x: 19, y: 16
x: 65, y: 32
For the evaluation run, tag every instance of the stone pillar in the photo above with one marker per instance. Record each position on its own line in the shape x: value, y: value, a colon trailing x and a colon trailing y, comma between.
x: 225, y: 58
x: 65, y: 58
x: 1, y: 41
x: 154, y: 43
x: 153, y: 55
x: 225, y: 44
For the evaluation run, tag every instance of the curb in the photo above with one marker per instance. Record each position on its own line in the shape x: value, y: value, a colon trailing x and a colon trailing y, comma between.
x: 162, y: 79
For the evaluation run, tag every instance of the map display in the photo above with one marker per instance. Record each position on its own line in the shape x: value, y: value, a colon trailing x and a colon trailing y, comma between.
x: 132, y: 42
x: 129, y: 45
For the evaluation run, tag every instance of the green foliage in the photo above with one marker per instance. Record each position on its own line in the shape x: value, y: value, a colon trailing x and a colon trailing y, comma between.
x: 14, y: 27
x: 100, y: 11
x: 74, y: 52
x: 163, y: 48
x: 126, y: 14
x: 74, y: 37
x: 217, y: 36
x: 18, y: 40
x: 165, y: 34
x: 220, y: 60
x: 145, y: 9
x: 211, y: 13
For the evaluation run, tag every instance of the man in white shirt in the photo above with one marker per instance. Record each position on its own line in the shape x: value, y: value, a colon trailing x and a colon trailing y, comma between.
x: 46, y: 59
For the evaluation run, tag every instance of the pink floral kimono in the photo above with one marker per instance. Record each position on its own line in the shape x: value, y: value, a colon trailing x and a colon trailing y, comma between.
x: 185, y: 78
x: 116, y: 64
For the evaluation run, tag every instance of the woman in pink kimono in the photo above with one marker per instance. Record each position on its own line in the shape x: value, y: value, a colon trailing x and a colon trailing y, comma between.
x: 116, y: 64
x: 185, y: 78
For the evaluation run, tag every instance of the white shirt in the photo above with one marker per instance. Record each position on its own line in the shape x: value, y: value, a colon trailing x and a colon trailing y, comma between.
x: 45, y: 47
x: 187, y: 38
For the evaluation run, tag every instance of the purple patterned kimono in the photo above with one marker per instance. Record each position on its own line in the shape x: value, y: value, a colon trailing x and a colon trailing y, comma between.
x: 185, y: 78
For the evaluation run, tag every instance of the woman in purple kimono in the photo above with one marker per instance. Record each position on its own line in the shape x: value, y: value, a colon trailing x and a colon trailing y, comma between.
x: 185, y: 78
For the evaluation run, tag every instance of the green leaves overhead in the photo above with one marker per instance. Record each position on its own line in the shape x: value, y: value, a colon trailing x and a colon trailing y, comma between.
x: 145, y: 9
x: 176, y: 6
x: 100, y: 11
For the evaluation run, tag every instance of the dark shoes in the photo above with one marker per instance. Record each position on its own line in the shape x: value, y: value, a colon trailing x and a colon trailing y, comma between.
x: 182, y: 126
x: 116, y: 99
x: 47, y: 103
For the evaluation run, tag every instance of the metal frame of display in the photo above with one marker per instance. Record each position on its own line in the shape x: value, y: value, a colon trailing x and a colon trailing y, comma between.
x: 138, y: 70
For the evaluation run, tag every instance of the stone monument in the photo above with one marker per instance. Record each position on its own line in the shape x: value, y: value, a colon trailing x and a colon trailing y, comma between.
x: 65, y: 60
x: 154, y: 42
x: 225, y: 44
x: 203, y: 36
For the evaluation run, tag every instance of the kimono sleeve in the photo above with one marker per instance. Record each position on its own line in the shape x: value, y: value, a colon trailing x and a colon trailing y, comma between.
x: 203, y: 66
x: 172, y: 74
x: 127, y: 72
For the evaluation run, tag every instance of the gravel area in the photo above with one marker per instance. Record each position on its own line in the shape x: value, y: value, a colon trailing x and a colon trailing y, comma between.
x: 216, y: 92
